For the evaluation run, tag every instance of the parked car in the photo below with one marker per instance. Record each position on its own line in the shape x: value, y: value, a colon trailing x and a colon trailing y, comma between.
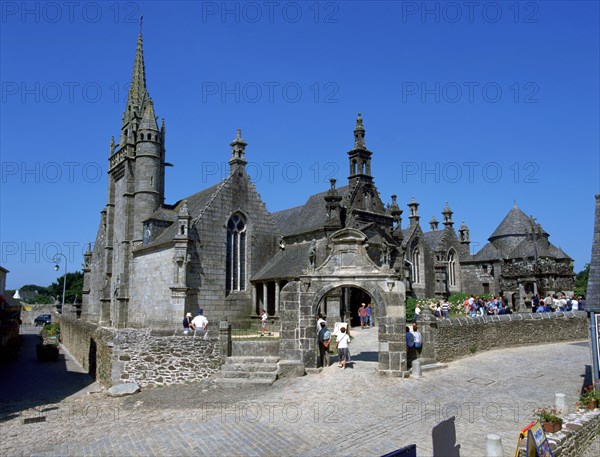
x: 43, y: 319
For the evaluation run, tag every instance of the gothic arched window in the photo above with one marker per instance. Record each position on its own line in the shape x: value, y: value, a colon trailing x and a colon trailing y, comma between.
x: 416, y: 265
x: 235, y: 272
x: 452, y: 268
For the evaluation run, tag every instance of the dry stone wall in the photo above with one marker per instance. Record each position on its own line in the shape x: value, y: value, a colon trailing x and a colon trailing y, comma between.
x: 460, y: 337
x: 144, y: 356
x: 151, y: 359
x: 578, y: 432
x: 91, y: 345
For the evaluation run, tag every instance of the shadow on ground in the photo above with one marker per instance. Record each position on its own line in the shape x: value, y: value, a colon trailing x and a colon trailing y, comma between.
x: 36, y: 386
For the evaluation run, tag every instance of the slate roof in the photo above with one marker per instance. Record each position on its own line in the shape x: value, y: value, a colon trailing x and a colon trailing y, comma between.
x: 407, y: 233
x: 487, y: 253
x: 516, y: 222
x: 196, y: 203
x: 287, y: 263
x: 527, y: 248
x: 307, y: 218
x: 433, y: 238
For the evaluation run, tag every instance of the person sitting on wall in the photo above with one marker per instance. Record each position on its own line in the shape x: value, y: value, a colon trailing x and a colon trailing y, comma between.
x: 187, y: 321
x: 199, y: 323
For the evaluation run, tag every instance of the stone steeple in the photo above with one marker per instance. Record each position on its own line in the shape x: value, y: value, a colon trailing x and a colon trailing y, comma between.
x: 136, y: 98
x: 360, y: 156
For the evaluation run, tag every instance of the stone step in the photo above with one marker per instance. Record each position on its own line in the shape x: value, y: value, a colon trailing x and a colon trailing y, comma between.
x: 433, y: 366
x: 250, y: 367
x: 243, y: 382
x: 251, y: 359
x: 249, y: 375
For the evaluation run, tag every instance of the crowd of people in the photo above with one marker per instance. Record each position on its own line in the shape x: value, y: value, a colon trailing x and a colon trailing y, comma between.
x: 554, y: 303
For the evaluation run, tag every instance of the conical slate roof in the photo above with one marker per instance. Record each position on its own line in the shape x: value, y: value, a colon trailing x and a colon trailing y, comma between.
x: 516, y: 223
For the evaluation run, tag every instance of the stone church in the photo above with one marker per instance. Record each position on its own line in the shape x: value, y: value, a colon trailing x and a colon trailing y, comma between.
x: 222, y: 250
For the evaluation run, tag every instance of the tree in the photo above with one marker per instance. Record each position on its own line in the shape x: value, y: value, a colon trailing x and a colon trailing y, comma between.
x: 581, y: 280
x: 74, y: 287
x: 34, y: 288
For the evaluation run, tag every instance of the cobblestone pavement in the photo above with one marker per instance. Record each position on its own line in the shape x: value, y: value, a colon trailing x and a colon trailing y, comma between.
x: 336, y: 412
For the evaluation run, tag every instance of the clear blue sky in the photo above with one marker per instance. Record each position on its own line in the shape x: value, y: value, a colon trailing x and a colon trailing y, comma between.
x: 477, y: 107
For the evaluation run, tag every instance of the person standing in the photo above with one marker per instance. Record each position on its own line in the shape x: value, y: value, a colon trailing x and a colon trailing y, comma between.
x: 369, y: 315
x: 187, y: 320
x: 343, y: 343
x: 319, y: 321
x: 264, y: 323
x: 362, y: 314
x: 417, y: 313
x: 417, y: 338
x: 324, y: 341
x: 445, y: 307
x: 199, y: 323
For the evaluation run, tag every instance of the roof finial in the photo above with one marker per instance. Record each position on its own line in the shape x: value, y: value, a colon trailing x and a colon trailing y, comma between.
x: 141, y: 21
x: 515, y: 205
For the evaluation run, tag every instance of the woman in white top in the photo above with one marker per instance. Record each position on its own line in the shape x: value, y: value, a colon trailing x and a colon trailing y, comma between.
x: 342, y: 343
x: 417, y: 337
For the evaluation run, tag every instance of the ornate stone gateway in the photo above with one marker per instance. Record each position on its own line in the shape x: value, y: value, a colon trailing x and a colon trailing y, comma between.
x: 347, y: 265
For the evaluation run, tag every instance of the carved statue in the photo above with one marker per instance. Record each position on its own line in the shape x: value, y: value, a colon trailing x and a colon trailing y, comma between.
x: 312, y: 253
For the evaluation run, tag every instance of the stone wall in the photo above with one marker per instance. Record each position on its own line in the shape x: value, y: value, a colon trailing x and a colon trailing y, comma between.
x: 578, y: 432
x: 460, y: 337
x: 27, y: 317
x: 147, y: 357
x: 153, y: 273
x: 153, y: 359
x: 238, y: 195
x: 88, y: 342
x: 269, y: 347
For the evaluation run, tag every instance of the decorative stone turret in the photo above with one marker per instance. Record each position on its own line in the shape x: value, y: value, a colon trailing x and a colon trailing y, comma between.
x: 447, y: 213
x: 433, y: 224
x: 238, y: 152
x: 396, y: 212
x: 463, y: 234
x: 333, y: 199
x: 360, y: 156
x: 413, y: 207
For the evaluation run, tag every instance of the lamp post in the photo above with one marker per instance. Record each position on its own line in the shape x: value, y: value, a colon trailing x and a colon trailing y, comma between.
x: 56, y: 268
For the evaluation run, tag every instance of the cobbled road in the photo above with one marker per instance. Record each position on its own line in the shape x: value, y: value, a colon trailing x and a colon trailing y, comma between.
x: 351, y: 412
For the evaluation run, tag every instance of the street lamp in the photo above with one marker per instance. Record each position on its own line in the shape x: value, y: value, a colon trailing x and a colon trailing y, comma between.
x: 56, y: 268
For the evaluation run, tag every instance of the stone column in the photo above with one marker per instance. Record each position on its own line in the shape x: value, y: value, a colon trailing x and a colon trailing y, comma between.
x: 277, y: 297
x: 334, y: 305
x: 225, y: 339
x: 427, y: 325
x: 254, y: 299
x: 265, y: 296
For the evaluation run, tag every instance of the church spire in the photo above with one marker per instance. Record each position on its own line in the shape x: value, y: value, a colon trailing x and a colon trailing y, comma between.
x: 136, y: 99
x: 137, y: 89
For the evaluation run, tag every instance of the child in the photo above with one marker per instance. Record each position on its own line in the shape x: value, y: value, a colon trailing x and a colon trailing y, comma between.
x: 263, y: 323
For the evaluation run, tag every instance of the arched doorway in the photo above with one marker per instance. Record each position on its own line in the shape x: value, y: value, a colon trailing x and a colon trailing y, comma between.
x: 348, y: 266
x: 342, y: 303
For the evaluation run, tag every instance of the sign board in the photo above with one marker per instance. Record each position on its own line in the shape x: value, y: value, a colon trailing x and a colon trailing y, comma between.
x: 337, y: 326
x: 537, y: 443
